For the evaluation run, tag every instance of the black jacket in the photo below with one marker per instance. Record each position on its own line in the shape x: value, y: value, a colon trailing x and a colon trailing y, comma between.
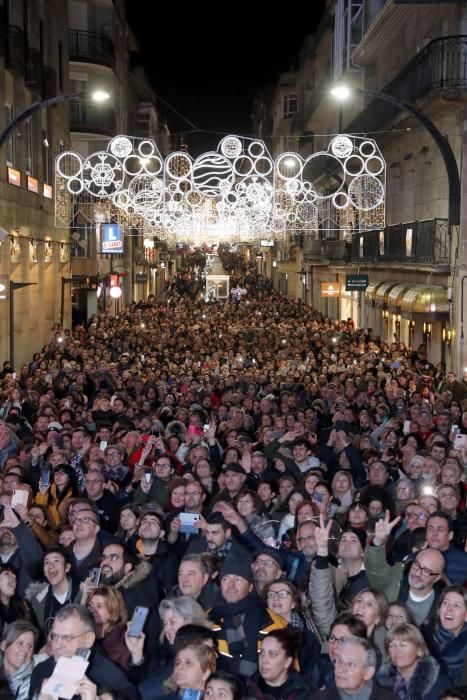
x: 295, y: 688
x: 332, y: 693
x: 100, y: 671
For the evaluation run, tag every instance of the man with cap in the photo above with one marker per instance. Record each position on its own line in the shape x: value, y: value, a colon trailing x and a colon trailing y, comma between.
x: 235, y: 477
x: 267, y: 566
x: 241, y: 620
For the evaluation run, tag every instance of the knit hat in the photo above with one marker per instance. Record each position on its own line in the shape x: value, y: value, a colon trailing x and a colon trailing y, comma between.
x: 361, y: 534
x: 235, y: 566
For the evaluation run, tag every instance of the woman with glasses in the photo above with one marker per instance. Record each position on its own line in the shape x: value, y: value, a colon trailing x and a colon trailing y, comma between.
x: 411, y: 673
x: 57, y: 494
x: 283, y: 598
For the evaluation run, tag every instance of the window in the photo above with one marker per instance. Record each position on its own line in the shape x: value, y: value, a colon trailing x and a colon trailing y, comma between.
x: 10, y: 150
x: 347, y: 34
x: 289, y: 106
x: 29, y: 140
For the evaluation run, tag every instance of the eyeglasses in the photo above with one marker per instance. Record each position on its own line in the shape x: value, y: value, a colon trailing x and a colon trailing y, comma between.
x: 193, y: 493
x: 426, y: 572
x: 83, y: 521
x: 332, y: 639
x: 349, y: 665
x: 91, y: 482
x: 301, y: 540
x: 64, y: 637
x: 283, y: 593
x: 113, y: 454
x: 267, y: 563
x: 418, y: 516
x: 163, y: 465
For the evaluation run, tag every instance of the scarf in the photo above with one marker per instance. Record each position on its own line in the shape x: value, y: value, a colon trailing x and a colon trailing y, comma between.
x: 453, y: 651
x: 241, y: 623
x: 401, y: 688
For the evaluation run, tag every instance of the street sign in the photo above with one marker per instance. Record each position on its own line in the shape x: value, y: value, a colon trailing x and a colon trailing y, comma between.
x: 4, y: 286
x: 111, y: 238
x: 356, y: 283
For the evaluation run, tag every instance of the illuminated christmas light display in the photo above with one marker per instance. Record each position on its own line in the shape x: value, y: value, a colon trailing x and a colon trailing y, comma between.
x: 236, y: 194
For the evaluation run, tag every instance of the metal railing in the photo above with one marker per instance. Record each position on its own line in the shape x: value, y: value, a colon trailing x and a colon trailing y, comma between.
x: 441, y: 65
x: 417, y: 242
x: 92, y: 119
x: 91, y: 47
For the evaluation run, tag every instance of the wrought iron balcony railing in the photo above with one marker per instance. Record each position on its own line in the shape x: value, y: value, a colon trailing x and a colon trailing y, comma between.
x: 417, y: 242
x: 92, y: 118
x: 90, y: 47
x: 440, y: 66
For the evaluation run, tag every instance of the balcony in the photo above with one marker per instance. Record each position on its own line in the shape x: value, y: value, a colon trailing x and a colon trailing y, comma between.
x: 89, y: 47
x: 441, y: 66
x: 34, y: 70
x: 90, y: 118
x: 15, y: 54
x: 414, y: 243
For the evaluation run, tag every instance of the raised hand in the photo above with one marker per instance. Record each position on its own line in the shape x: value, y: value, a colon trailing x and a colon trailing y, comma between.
x: 383, y: 529
x: 322, y: 536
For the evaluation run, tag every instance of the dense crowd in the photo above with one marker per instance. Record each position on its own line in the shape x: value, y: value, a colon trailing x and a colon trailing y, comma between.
x: 230, y: 500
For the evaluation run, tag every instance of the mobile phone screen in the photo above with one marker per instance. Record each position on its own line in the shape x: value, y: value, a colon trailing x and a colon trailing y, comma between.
x: 103, y: 445
x: 95, y: 575
x: 138, y: 621
x: 45, y: 478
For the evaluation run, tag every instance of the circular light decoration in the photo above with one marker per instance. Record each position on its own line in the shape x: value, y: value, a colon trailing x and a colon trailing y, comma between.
x: 366, y: 192
x: 374, y: 165
x: 289, y: 166
x: 324, y: 171
x: 354, y: 165
x: 340, y: 200
x: 115, y: 292
x: 69, y: 164
x: 102, y: 174
x: 121, y: 146
x: 263, y: 166
x: 75, y: 185
x: 367, y: 148
x: 178, y: 165
x: 243, y: 166
x: 231, y: 146
x: 256, y: 149
x: 341, y: 146
x: 146, y: 148
x: 212, y: 174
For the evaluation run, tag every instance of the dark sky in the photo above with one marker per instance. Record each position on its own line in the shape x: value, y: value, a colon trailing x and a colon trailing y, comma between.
x: 208, y: 63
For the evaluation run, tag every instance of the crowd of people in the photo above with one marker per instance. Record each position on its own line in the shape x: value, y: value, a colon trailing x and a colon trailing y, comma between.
x: 233, y: 500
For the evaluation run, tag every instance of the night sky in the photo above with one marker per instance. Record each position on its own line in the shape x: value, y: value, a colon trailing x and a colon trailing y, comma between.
x: 209, y: 69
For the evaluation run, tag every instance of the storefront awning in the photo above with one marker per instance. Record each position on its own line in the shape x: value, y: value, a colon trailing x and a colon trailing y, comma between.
x: 370, y: 293
x: 381, y: 297
x: 396, y: 295
x: 429, y: 301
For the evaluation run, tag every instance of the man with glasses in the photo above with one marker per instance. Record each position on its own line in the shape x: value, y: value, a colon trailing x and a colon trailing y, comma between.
x: 74, y: 628
x: 85, y: 551
x: 267, y: 566
x: 417, y: 583
x: 354, y: 670
x: 104, y: 502
x: 415, y: 518
x: 114, y: 469
x: 153, y: 487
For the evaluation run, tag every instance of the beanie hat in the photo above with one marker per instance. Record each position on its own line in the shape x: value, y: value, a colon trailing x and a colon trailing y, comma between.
x: 237, y: 566
x: 361, y: 534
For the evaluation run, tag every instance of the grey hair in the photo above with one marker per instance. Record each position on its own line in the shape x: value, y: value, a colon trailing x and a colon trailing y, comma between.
x: 79, y: 611
x: 370, y: 653
x: 187, y: 608
x: 197, y: 559
x: 15, y: 629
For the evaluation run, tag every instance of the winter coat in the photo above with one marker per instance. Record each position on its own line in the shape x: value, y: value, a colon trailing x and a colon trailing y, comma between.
x: 426, y: 682
x: 295, y: 688
x: 37, y: 596
x: 332, y: 693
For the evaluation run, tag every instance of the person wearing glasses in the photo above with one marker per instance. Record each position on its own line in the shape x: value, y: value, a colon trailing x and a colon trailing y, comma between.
x: 74, y: 628
x: 417, y: 584
x: 354, y: 670
x: 85, y: 551
x: 103, y: 501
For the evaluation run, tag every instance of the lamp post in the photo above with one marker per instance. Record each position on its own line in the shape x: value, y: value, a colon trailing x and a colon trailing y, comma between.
x: 342, y: 92
x: 96, y: 96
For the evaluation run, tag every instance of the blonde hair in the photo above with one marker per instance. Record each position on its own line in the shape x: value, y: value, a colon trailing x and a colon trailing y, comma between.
x: 204, y: 654
x: 410, y: 633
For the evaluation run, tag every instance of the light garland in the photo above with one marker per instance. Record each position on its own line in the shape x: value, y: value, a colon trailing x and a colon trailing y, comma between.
x: 237, y: 194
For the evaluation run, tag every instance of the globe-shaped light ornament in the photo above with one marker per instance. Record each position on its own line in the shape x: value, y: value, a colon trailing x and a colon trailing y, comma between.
x: 115, y: 292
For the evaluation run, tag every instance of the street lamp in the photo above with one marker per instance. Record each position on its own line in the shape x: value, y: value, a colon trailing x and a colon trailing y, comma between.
x: 343, y: 93
x: 96, y: 96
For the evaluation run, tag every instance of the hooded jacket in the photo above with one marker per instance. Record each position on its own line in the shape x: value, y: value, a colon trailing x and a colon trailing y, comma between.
x: 426, y: 682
